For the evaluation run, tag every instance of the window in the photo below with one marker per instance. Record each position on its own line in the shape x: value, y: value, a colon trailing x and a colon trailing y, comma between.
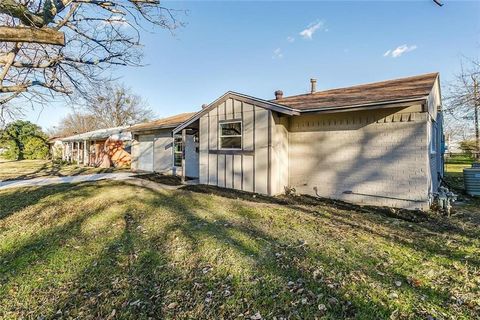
x: 231, y: 135
x: 177, y: 151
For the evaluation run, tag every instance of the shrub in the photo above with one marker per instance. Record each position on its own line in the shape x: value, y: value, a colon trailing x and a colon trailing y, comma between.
x: 12, y: 152
x: 35, y: 148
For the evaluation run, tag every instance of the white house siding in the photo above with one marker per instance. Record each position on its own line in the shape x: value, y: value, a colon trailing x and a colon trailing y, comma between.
x: 368, y: 157
x: 246, y: 169
x: 162, y: 143
x: 279, y: 153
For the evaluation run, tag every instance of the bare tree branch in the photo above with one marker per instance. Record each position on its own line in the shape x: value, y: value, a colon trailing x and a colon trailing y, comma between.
x: 98, y: 35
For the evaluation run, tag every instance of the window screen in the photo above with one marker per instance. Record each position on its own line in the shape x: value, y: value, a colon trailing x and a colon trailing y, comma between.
x: 231, y: 135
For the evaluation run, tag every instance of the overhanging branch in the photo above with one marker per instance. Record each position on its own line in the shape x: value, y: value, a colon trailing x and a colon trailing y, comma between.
x: 32, y: 35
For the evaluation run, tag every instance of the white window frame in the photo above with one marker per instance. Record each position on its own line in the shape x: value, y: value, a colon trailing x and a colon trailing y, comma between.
x: 220, y: 135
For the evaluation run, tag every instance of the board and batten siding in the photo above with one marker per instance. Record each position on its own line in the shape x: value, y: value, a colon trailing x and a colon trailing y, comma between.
x: 369, y: 157
x: 254, y: 168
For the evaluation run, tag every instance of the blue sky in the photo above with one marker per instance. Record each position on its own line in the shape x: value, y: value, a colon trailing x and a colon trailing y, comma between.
x: 259, y: 47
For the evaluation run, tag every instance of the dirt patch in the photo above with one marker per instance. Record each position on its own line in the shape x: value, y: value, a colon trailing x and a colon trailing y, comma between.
x: 299, y: 200
x: 168, y: 180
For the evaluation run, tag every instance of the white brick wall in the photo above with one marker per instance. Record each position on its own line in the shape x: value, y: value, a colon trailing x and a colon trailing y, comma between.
x: 374, y: 157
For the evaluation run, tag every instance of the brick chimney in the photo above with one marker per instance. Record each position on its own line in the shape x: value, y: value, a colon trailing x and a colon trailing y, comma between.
x: 278, y: 94
x: 313, y: 83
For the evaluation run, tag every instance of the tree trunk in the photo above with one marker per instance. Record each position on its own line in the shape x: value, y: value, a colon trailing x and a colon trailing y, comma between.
x: 475, y: 107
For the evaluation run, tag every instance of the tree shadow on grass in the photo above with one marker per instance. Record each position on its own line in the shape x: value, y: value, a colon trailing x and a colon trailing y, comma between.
x: 13, y: 200
x: 128, y: 279
x: 137, y: 275
x: 299, y: 267
x: 55, y: 169
x: 30, y: 175
x: 426, y: 225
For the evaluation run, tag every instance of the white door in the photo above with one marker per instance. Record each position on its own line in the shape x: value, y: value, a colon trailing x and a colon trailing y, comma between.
x: 191, y: 157
x: 145, y: 152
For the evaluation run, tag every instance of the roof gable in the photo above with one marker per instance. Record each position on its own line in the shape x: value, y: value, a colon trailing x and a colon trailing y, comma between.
x: 270, y: 105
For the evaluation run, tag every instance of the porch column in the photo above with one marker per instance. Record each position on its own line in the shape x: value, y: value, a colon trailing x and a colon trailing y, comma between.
x: 85, y: 153
x: 63, y: 151
x: 70, y: 157
x: 184, y: 143
x: 78, y: 152
x: 95, y: 152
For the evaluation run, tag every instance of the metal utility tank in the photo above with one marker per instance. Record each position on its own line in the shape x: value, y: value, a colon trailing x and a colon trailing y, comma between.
x: 471, y: 178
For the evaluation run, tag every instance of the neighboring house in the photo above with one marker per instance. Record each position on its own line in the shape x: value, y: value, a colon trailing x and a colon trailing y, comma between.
x: 55, y: 146
x: 377, y: 143
x: 100, y: 148
x: 153, y: 146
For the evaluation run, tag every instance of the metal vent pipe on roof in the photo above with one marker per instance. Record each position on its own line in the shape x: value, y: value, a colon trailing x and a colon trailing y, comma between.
x: 278, y: 94
x: 313, y: 83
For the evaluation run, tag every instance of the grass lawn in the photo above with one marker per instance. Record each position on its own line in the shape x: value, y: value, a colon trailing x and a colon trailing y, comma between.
x: 28, y: 169
x: 112, y: 250
x: 454, y: 170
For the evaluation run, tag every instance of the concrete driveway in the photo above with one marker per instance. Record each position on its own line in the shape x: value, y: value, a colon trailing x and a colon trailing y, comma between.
x: 68, y: 179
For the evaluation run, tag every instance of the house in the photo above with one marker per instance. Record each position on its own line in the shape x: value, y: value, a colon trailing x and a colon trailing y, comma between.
x: 55, y: 147
x: 153, y: 147
x: 100, y: 148
x: 376, y: 143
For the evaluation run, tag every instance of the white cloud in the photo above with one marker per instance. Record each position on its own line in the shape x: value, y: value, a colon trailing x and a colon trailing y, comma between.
x: 290, y: 39
x: 116, y: 20
x: 399, y: 51
x: 311, y: 29
x: 277, y: 54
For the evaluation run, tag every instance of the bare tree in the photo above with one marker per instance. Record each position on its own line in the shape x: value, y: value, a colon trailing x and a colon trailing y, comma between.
x: 75, y: 123
x: 58, y: 47
x: 463, y: 100
x: 116, y: 105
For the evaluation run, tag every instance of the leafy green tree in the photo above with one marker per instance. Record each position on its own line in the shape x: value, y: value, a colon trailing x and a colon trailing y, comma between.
x: 23, y: 140
x: 35, y: 148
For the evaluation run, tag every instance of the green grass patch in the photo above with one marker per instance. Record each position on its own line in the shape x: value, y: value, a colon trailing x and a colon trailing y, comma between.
x: 114, y: 250
x: 454, y: 166
x: 460, y: 159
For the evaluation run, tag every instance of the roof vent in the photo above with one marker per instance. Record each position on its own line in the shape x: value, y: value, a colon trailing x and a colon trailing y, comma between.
x: 204, y: 105
x: 313, y: 83
x: 278, y: 94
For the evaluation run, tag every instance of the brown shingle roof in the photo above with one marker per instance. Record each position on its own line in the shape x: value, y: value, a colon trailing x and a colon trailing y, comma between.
x: 164, y: 123
x: 371, y: 93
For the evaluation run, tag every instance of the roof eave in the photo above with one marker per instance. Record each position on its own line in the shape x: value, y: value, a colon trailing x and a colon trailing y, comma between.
x: 371, y: 106
x: 133, y: 130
